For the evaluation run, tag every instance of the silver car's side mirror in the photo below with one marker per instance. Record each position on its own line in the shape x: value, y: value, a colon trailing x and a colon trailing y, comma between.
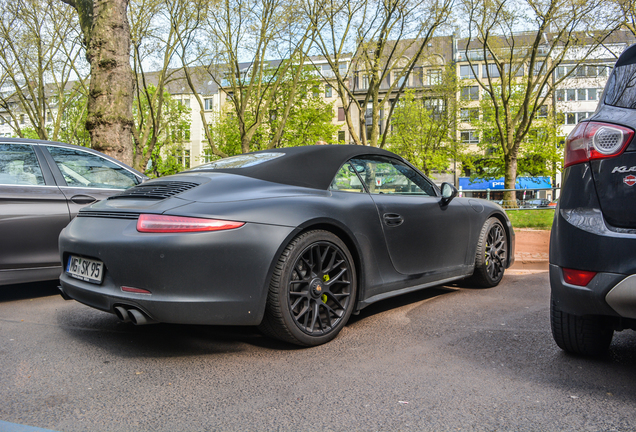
x: 448, y: 193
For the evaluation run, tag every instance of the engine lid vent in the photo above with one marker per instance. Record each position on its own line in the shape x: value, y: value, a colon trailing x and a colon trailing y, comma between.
x: 156, y: 190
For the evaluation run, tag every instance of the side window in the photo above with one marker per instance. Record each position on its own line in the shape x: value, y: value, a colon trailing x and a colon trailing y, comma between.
x: 388, y: 176
x: 19, y: 165
x: 346, y: 180
x: 84, y: 169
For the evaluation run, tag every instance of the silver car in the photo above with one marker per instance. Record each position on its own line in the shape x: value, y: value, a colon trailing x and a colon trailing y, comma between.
x: 43, y: 185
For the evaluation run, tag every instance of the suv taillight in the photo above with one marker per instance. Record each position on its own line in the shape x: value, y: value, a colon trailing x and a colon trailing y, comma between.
x: 595, y: 140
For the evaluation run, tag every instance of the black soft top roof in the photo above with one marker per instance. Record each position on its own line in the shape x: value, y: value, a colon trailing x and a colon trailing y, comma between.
x: 312, y: 166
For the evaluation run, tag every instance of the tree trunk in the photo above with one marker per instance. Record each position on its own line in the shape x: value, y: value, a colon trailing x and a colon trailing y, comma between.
x: 110, y: 97
x: 510, y: 197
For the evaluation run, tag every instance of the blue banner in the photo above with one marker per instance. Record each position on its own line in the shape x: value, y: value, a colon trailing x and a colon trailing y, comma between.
x: 522, y: 183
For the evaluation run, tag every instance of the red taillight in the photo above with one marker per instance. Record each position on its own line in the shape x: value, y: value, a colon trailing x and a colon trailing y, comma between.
x: 595, y: 140
x: 175, y: 224
x: 578, y: 277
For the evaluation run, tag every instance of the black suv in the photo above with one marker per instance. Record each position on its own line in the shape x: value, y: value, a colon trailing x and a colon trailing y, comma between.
x: 593, y: 240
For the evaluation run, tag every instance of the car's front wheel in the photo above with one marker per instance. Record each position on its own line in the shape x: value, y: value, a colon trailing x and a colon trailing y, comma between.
x: 492, y: 254
x: 312, y: 291
x: 584, y: 335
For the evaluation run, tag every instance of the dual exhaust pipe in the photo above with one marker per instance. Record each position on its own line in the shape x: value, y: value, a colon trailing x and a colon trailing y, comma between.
x: 133, y: 315
x: 125, y: 314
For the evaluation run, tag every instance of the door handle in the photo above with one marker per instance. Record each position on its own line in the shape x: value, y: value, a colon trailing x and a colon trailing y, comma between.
x: 83, y: 199
x: 393, y: 219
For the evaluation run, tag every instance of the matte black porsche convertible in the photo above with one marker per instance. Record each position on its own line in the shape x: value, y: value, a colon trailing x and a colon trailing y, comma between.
x: 294, y: 240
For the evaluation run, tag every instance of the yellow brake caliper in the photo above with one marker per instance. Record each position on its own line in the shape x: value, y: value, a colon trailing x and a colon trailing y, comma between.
x: 324, y: 296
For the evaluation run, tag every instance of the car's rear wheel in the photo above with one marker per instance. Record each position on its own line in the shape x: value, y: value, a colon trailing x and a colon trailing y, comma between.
x: 312, y: 291
x: 492, y: 254
x: 584, y: 335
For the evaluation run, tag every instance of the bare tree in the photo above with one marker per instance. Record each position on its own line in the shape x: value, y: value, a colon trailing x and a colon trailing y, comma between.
x: 387, y: 39
x: 628, y: 11
x: 253, y: 47
x: 154, y: 28
x: 106, y: 30
x: 520, y: 68
x: 194, y: 48
x: 41, y: 70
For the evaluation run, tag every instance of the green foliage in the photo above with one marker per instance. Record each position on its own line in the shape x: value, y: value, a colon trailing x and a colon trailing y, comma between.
x: 73, y: 125
x: 162, y: 147
x: 422, y: 134
x: 166, y: 160
x: 306, y: 120
x: 424, y: 125
x: 29, y: 133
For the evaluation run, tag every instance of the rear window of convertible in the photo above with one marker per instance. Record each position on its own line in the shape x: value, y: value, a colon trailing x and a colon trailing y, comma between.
x: 240, y: 161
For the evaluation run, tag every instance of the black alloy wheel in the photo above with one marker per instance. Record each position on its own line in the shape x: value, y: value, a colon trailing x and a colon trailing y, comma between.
x: 492, y: 254
x: 312, y: 292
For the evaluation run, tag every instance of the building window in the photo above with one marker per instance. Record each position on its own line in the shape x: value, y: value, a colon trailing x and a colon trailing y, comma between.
x: 469, y: 115
x: 186, y: 102
x: 341, y: 114
x: 328, y: 91
x: 490, y: 71
x: 467, y: 71
x: 582, y: 71
x: 469, y: 137
x: 542, y: 112
x: 399, y: 77
x: 434, y: 77
x: 517, y: 69
x: 436, y: 106
x: 589, y: 94
x: 571, y: 94
x: 572, y: 118
x: 470, y: 93
x: 209, y: 103
x: 365, y: 82
x: 581, y: 94
x: 538, y: 69
x: 325, y: 71
x: 21, y: 119
x: 341, y: 136
x: 183, y: 158
x: 208, y: 156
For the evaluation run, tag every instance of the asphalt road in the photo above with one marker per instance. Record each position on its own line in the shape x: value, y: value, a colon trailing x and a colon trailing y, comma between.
x: 440, y: 359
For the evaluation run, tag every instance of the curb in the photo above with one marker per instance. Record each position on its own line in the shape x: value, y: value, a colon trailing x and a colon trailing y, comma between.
x: 530, y: 264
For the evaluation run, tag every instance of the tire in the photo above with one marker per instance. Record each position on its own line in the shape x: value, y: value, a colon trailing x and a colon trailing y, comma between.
x: 312, y: 292
x: 492, y: 255
x: 584, y: 335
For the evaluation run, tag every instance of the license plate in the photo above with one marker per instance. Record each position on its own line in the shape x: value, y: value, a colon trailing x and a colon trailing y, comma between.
x: 85, y: 269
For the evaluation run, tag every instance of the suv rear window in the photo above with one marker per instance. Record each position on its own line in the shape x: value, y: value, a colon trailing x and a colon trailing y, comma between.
x: 621, y: 87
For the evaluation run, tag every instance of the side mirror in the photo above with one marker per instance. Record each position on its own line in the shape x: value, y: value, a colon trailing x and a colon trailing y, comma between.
x: 448, y: 193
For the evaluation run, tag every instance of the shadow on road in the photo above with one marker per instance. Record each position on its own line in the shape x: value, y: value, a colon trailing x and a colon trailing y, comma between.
x: 173, y: 340
x: 28, y: 290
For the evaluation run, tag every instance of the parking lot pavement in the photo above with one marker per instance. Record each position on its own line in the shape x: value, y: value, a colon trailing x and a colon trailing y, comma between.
x: 447, y: 358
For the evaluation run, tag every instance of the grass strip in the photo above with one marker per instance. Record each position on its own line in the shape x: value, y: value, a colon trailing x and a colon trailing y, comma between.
x: 535, y: 218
